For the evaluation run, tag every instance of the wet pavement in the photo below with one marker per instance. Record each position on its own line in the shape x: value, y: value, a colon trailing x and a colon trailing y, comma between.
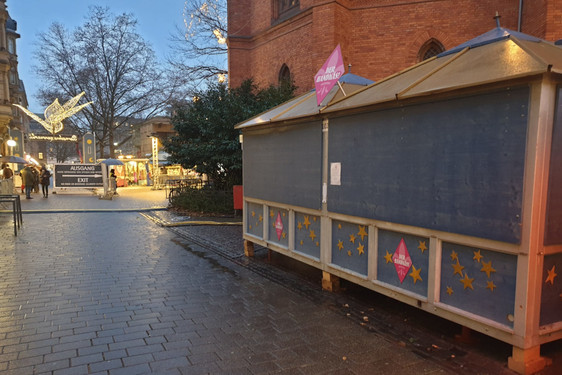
x: 94, y: 286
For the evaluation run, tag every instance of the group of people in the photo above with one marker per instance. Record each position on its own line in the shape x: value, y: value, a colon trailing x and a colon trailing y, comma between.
x: 31, y: 178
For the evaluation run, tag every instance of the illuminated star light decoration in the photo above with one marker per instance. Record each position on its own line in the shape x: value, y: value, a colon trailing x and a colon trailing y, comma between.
x: 56, y: 113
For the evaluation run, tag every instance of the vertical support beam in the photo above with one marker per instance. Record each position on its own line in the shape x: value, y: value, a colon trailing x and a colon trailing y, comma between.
x: 248, y: 248
x: 434, y: 271
x: 372, y: 243
x: 527, y: 361
x: 526, y: 356
x: 330, y: 282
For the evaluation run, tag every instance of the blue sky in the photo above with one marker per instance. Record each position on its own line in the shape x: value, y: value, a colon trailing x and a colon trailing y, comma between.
x: 157, y: 21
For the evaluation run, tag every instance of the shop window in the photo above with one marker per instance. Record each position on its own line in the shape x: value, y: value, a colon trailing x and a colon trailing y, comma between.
x: 283, y: 9
x: 284, y: 74
x: 431, y: 48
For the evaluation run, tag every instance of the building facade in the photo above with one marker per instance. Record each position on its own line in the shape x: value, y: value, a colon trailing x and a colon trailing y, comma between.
x: 12, y: 91
x: 275, y: 39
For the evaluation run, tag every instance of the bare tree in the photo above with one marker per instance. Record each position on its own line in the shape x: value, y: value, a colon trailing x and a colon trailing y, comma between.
x: 200, y: 46
x: 116, y: 68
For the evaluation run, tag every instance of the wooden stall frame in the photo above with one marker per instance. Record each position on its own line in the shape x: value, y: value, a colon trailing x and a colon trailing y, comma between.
x: 527, y: 335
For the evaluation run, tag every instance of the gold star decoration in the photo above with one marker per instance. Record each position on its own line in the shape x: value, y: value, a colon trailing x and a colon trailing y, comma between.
x: 491, y: 285
x: 449, y: 290
x: 260, y: 219
x: 299, y: 225
x: 551, y: 276
x: 340, y: 245
x: 487, y: 267
x: 361, y: 249
x: 415, y: 274
x: 312, y: 235
x: 283, y: 235
x: 339, y: 226
x: 302, y: 242
x: 314, y: 219
x: 388, y: 257
x: 454, y: 256
x: 283, y: 214
x: 317, y: 243
x: 250, y: 226
x: 306, y: 222
x: 467, y: 281
x: 422, y: 246
x: 477, y: 256
x: 457, y: 268
x: 351, y: 238
x: 362, y: 233
x: 271, y: 213
x: 349, y: 252
x: 253, y: 213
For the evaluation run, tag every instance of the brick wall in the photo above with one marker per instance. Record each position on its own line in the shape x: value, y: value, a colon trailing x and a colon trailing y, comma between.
x: 378, y: 37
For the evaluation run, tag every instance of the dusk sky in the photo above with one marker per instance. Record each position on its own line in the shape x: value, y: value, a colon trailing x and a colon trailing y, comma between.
x: 157, y: 21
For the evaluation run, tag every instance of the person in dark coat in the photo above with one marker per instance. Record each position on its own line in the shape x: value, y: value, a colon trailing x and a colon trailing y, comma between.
x: 27, y: 179
x: 45, y: 179
x: 6, y: 171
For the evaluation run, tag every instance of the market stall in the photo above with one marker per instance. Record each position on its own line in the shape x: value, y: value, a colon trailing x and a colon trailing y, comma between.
x: 439, y: 186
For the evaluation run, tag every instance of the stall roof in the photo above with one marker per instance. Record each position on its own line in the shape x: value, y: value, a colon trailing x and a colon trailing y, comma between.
x: 498, y: 55
x: 306, y: 104
x: 495, y: 56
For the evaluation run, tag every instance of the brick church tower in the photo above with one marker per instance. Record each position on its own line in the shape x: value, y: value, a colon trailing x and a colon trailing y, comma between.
x: 271, y: 40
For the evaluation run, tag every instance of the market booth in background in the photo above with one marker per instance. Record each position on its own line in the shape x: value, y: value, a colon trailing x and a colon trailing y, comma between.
x: 439, y: 186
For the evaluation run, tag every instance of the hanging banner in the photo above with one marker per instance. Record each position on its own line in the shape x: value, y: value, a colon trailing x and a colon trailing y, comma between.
x: 329, y: 74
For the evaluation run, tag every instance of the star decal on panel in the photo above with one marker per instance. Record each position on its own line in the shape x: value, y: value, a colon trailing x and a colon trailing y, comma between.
x: 551, y: 293
x: 356, y: 241
x: 403, y: 260
x: 350, y: 246
x: 551, y: 276
x: 254, y: 219
x: 464, y: 277
x: 307, y: 234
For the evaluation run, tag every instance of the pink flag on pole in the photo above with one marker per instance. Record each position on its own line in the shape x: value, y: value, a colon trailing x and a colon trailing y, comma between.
x: 329, y: 74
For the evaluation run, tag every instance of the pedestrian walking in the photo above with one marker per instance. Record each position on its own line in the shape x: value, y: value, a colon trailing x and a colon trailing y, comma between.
x: 45, y: 179
x: 35, y: 178
x: 6, y: 171
x: 113, y: 181
x: 27, y: 179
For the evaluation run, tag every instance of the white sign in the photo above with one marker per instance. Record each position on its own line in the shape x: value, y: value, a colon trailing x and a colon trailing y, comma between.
x: 335, y: 174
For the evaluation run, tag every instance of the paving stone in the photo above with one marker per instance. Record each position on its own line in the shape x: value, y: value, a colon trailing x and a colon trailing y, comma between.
x: 114, y: 293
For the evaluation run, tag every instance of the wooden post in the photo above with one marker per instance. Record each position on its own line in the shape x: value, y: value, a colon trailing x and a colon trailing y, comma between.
x: 330, y: 282
x: 248, y: 248
x: 527, y: 361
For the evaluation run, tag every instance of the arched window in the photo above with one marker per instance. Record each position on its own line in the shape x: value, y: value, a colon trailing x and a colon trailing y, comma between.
x: 284, y: 74
x: 283, y: 9
x: 431, y: 48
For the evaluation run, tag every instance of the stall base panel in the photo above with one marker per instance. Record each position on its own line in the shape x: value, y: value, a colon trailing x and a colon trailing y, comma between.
x: 350, y: 248
x: 278, y: 226
x: 254, y: 219
x: 307, y: 234
x: 403, y: 261
x: 551, y: 300
x: 479, y: 281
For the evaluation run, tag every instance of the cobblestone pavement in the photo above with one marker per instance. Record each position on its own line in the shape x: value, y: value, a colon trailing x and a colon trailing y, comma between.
x: 117, y: 293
